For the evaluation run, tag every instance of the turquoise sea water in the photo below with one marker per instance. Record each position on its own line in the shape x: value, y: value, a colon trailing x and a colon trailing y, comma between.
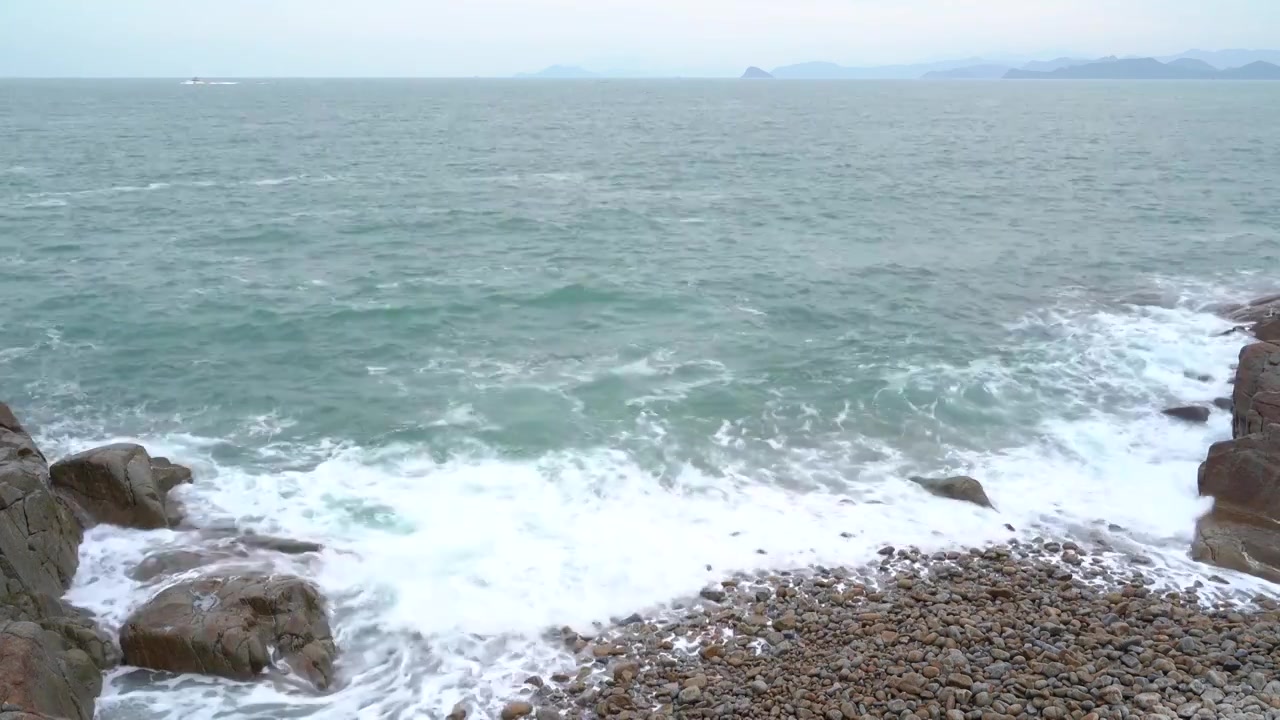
x: 525, y: 354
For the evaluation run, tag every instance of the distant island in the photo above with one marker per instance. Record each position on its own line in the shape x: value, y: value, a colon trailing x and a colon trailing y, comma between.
x: 1151, y: 69
x: 1233, y: 64
x: 559, y: 72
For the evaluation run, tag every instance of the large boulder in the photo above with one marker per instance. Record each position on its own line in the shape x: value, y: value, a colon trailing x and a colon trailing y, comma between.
x: 1268, y: 330
x: 121, y: 485
x: 1257, y: 374
x: 231, y: 627
x: 1238, y: 541
x: 41, y: 675
x: 1242, y: 531
x: 1245, y: 473
x: 956, y: 488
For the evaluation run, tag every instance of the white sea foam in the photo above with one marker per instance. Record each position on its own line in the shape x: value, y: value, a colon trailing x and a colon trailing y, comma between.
x: 444, y: 574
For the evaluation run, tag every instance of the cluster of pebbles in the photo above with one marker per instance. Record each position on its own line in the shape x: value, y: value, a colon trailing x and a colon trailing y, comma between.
x: 1023, y: 630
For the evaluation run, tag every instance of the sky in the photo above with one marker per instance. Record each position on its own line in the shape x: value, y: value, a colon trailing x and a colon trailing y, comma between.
x: 465, y: 38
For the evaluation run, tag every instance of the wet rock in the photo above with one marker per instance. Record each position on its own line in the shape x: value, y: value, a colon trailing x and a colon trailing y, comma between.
x: 713, y: 594
x: 117, y: 485
x: 41, y: 675
x: 956, y: 488
x: 1223, y: 403
x: 229, y: 626
x: 1190, y: 413
x: 287, y: 546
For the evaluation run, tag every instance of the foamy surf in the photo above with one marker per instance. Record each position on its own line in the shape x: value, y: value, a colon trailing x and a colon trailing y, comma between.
x: 445, y: 574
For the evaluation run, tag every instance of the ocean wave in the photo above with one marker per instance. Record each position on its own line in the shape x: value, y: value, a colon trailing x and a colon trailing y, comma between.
x: 504, y: 547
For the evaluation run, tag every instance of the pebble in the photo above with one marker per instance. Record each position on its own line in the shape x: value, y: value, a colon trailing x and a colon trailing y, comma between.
x: 997, y: 633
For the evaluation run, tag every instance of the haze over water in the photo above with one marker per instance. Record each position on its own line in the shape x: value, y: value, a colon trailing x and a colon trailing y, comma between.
x: 532, y: 354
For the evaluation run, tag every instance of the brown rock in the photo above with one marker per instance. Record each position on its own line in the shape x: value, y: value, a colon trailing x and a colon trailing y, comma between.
x: 227, y: 626
x: 1257, y: 372
x: 516, y: 710
x: 1238, y: 541
x: 116, y: 485
x: 41, y: 675
x: 956, y: 488
x: 1268, y: 330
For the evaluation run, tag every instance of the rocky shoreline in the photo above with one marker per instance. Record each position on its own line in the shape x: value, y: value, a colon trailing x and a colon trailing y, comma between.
x: 229, y: 621
x: 1036, y: 629
x: 1028, y: 629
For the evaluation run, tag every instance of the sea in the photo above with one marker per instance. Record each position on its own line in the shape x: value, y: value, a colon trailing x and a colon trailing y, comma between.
x: 528, y: 354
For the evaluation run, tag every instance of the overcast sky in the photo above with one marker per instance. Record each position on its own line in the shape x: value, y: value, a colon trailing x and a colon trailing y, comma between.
x: 177, y: 38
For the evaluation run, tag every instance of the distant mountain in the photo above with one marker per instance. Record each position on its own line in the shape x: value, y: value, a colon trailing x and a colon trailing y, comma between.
x: 559, y: 72
x: 1192, y: 65
x: 972, y: 72
x: 1259, y: 70
x: 1151, y: 69
x: 1225, y: 59
x: 755, y: 73
x: 1054, y: 64
x: 832, y: 71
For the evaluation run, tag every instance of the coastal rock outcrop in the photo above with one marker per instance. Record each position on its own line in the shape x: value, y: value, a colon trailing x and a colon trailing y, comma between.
x: 121, y: 485
x: 1242, y: 532
x: 39, y: 537
x: 228, y: 626
x: 1256, y: 311
x: 43, y: 675
x: 962, y: 488
x: 51, y: 653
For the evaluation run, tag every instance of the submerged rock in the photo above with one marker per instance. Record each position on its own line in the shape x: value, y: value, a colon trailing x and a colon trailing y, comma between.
x: 120, y: 485
x: 961, y: 487
x: 164, y: 563
x: 229, y: 626
x: 1190, y: 413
